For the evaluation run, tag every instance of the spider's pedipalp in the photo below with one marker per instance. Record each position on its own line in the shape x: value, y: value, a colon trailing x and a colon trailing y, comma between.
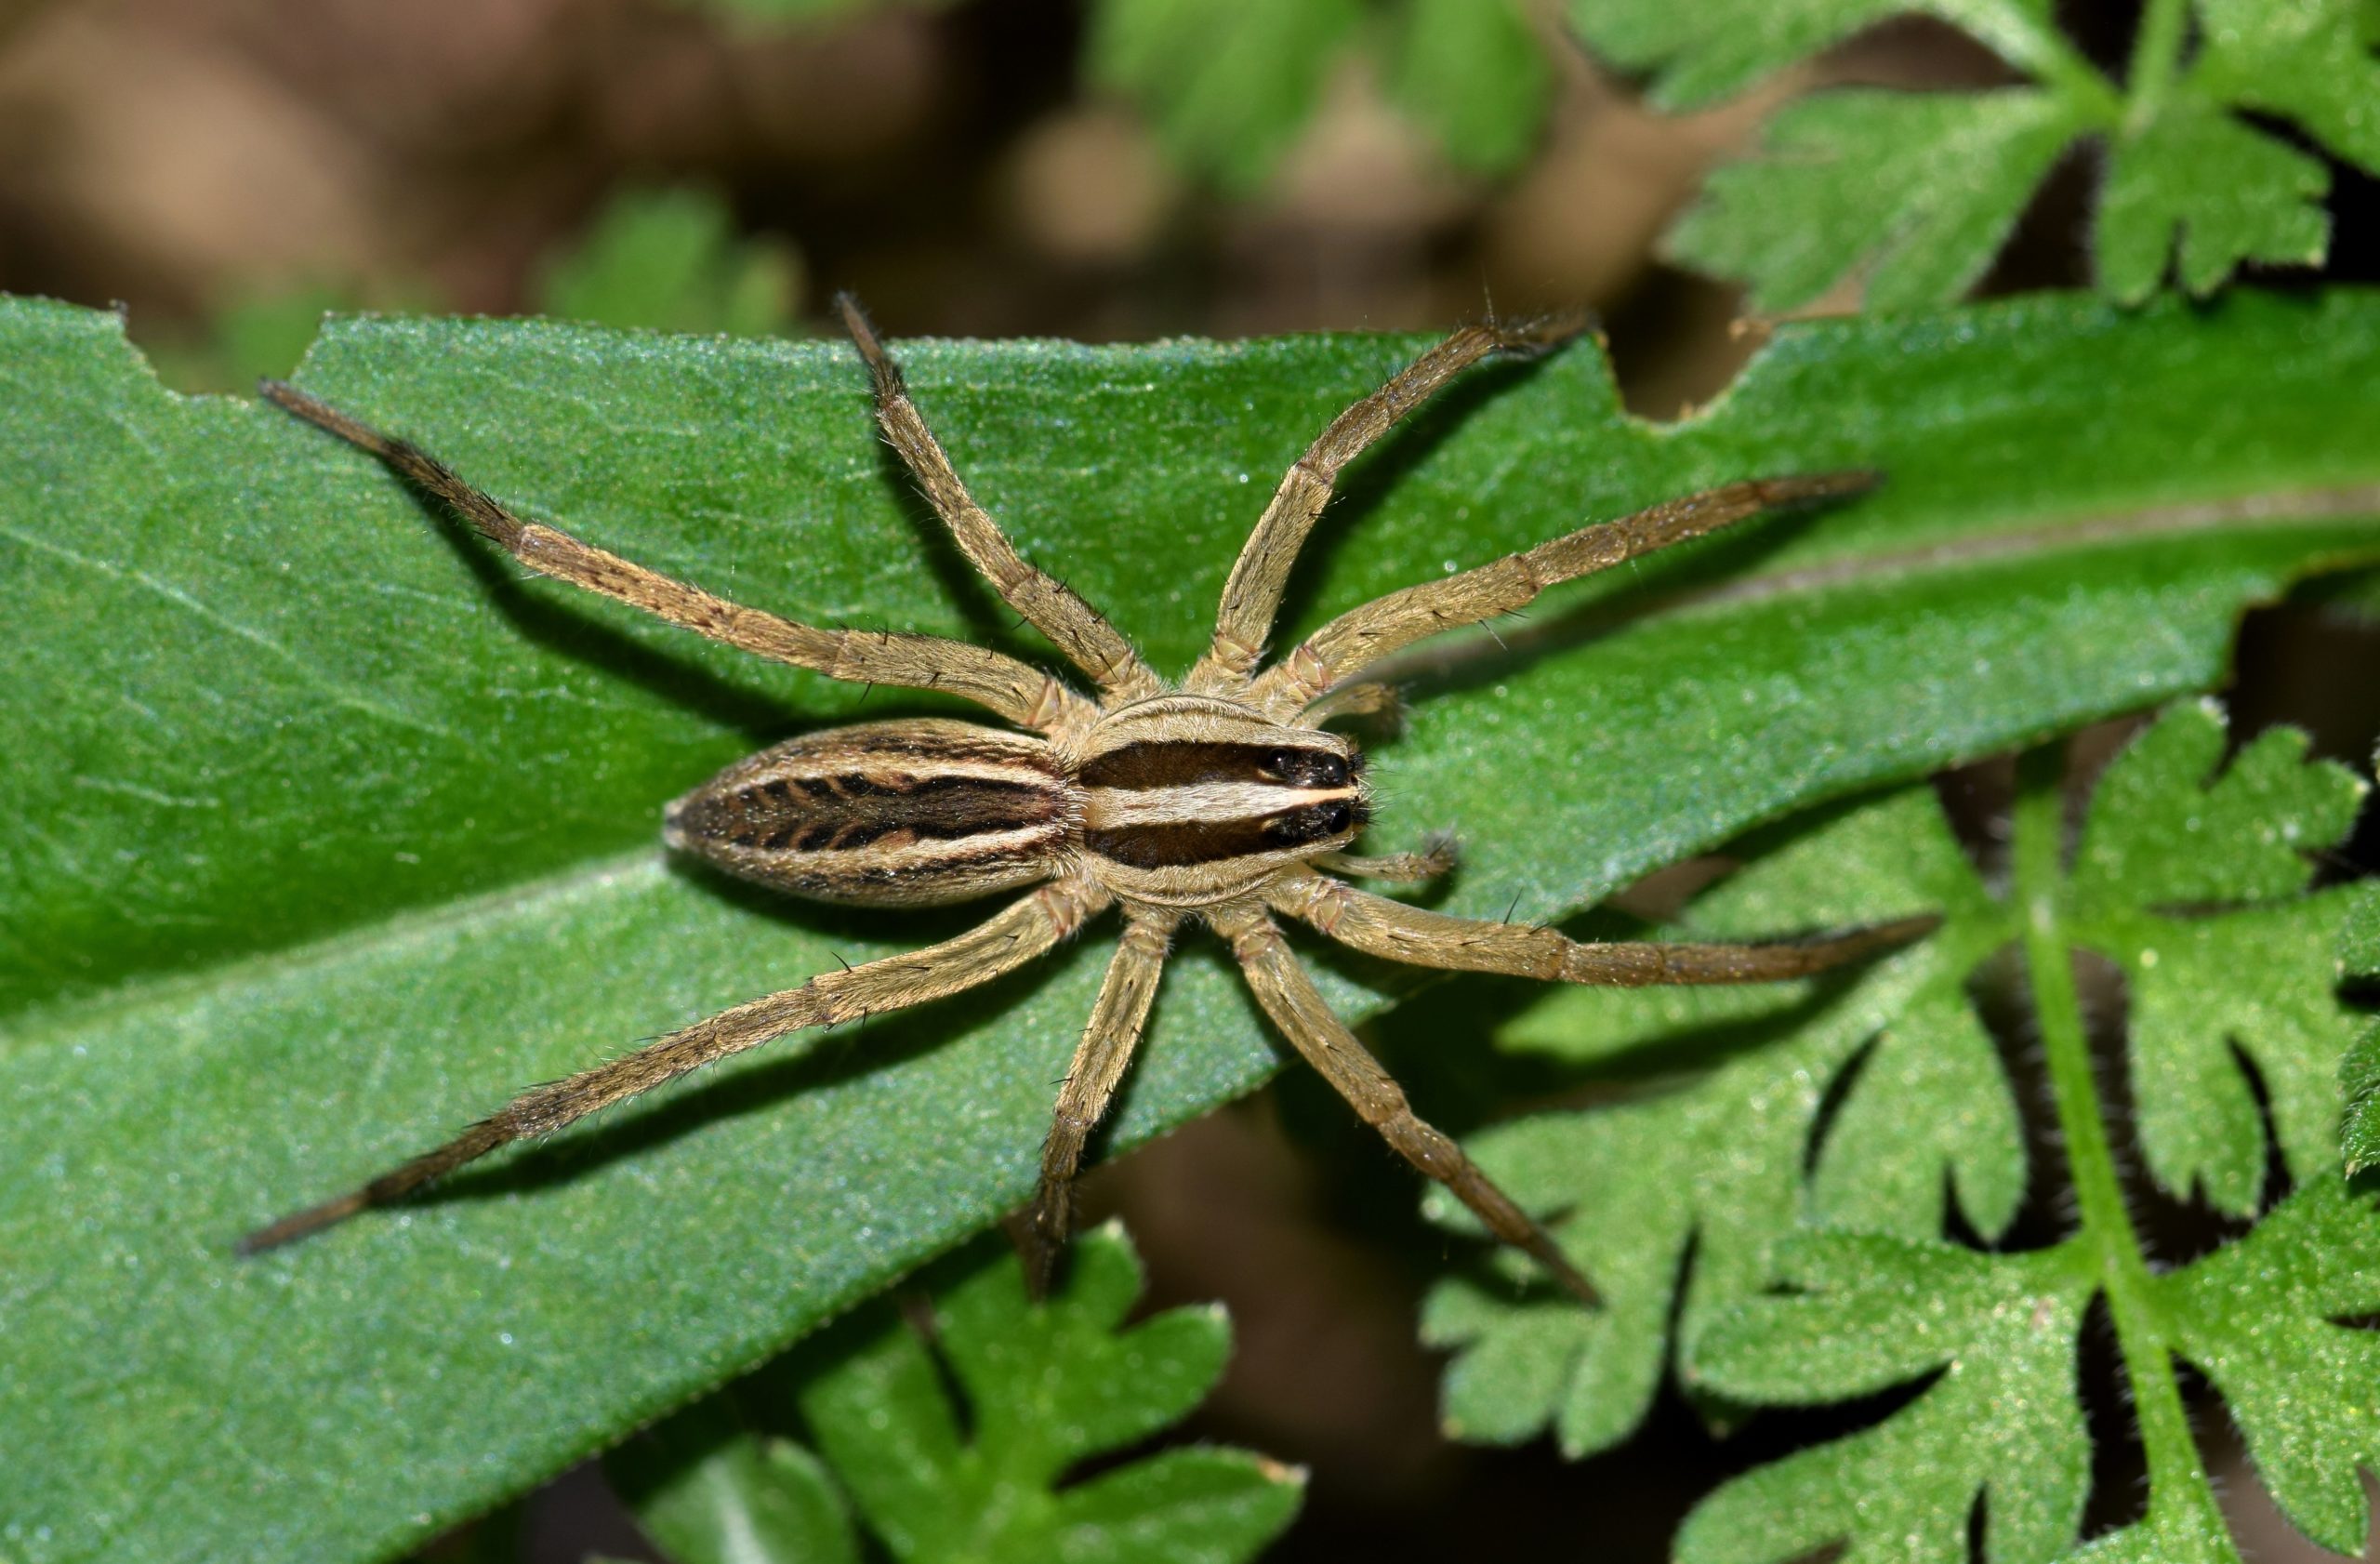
x: 1025, y: 929
x: 1438, y: 856
x: 1368, y: 699
x: 1252, y: 594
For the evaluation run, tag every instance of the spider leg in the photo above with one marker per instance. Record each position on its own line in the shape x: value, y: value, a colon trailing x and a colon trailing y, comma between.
x: 1117, y: 1021
x: 1439, y: 857
x: 1289, y: 998
x: 1356, y: 639
x: 1021, y: 694
x: 1253, y: 595
x: 1049, y: 605
x: 1008, y: 940
x: 1402, y: 932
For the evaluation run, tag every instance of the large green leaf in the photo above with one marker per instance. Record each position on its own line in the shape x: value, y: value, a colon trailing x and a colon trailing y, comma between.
x: 328, y: 831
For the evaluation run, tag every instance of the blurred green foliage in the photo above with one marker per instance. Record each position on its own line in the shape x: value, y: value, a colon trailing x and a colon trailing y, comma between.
x: 671, y: 260
x: 660, y: 259
x: 1909, y: 194
x: 1228, y: 85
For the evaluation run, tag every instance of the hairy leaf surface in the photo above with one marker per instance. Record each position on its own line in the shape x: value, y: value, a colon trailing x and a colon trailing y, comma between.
x: 1714, y: 1164
x: 2360, y: 1071
x: 330, y: 830
x: 1998, y: 1417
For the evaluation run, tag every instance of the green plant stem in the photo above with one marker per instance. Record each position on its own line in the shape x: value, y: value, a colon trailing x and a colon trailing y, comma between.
x: 2156, y: 57
x: 2035, y: 44
x: 2108, y: 1244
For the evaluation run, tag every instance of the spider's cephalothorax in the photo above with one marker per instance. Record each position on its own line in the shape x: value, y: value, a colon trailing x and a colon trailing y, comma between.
x: 1222, y: 800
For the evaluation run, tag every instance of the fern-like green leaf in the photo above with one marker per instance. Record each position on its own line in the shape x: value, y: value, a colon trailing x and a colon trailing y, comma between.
x: 2192, y: 875
x: 2163, y: 846
x: 1696, y: 55
x: 1717, y: 1165
x: 1998, y: 1421
x: 1914, y: 194
x: 2360, y: 1071
x: 1045, y: 1387
x: 2262, y: 1319
x: 2198, y: 190
x: 1926, y: 186
x: 707, y: 1490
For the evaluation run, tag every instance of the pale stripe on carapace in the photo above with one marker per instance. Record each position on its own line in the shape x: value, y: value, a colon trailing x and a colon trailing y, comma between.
x: 1179, y: 804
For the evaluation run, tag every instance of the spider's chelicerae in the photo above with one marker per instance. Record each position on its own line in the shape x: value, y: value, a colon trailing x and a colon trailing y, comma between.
x: 1220, y: 799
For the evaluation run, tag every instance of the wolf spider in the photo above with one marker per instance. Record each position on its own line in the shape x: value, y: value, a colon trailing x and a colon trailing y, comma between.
x: 1221, y: 798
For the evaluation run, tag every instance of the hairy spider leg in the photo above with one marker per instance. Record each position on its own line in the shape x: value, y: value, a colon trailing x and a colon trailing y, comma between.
x: 1289, y: 996
x: 1083, y: 633
x: 1416, y: 937
x: 1438, y: 856
x: 1025, y: 929
x: 1252, y: 593
x: 1022, y: 694
x: 1118, y: 1020
x: 1349, y: 644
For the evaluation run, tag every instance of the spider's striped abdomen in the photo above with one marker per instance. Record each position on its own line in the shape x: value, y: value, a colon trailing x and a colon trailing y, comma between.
x: 907, y: 813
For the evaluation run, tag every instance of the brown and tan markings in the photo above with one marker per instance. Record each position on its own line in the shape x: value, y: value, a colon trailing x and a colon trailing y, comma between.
x: 1221, y: 799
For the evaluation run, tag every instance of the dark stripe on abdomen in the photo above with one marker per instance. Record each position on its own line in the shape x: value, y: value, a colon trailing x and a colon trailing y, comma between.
x: 845, y: 811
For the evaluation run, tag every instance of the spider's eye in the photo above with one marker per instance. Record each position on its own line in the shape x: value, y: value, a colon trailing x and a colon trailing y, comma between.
x: 1299, y: 826
x: 1306, y: 768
